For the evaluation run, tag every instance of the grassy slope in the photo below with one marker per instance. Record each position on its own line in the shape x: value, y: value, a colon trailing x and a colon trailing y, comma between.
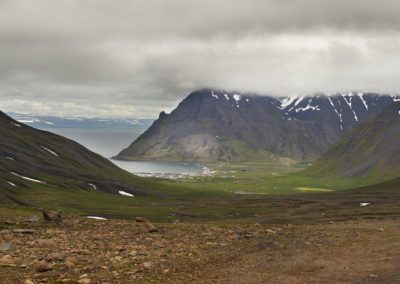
x: 200, y: 199
x: 370, y: 152
x: 67, y: 176
x: 187, y: 206
x: 262, y: 178
x: 212, y: 199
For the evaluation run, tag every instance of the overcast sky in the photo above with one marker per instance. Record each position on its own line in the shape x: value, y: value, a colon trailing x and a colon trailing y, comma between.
x: 135, y: 58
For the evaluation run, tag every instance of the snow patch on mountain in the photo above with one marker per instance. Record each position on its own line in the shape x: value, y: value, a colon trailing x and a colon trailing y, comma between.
x: 27, y: 178
x: 214, y: 95
x: 93, y: 186
x: 125, y: 193
x: 50, y: 151
x: 298, y: 100
x: 363, y: 100
x: 96, y: 217
x: 337, y: 112
x: 349, y: 103
x: 237, y: 97
x: 395, y: 98
x: 309, y: 106
x: 285, y: 102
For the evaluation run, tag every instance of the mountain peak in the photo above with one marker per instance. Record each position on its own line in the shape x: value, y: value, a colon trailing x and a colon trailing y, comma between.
x: 162, y: 114
x: 216, y: 125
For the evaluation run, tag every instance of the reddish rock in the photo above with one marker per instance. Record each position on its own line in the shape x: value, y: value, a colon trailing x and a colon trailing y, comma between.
x: 7, y: 260
x: 51, y: 216
x: 43, y: 266
x: 150, y: 228
x: 142, y: 220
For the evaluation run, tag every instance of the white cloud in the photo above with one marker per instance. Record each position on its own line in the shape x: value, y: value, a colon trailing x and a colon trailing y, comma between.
x: 136, y: 58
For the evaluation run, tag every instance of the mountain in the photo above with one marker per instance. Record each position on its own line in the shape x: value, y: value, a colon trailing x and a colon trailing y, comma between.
x: 371, y: 150
x: 211, y: 125
x: 48, y: 122
x: 32, y: 159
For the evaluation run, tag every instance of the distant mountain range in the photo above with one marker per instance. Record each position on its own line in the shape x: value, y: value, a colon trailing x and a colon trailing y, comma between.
x: 214, y: 125
x: 40, y: 121
x: 370, y: 151
x: 33, y: 160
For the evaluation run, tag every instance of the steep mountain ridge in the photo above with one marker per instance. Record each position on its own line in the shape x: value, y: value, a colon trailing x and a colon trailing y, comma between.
x: 213, y: 125
x: 371, y: 150
x: 31, y: 158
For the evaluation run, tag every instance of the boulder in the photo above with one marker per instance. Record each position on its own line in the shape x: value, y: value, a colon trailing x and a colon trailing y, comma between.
x: 147, y: 264
x: 51, y: 216
x: 7, y: 247
x: 57, y: 256
x: 149, y: 227
x: 33, y: 219
x: 23, y: 231
x: 7, y: 260
x: 142, y: 220
x: 43, y: 266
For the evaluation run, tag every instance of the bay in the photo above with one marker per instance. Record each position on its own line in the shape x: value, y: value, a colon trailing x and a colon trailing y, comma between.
x: 109, y: 142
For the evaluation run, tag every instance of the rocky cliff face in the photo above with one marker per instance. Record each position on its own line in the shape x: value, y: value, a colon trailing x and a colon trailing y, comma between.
x: 213, y: 125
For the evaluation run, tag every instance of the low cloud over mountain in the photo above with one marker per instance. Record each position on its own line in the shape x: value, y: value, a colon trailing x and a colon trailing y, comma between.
x: 132, y: 58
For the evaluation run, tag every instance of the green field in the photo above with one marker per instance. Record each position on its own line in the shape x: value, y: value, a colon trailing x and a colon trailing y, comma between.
x: 261, y: 178
x: 272, y: 193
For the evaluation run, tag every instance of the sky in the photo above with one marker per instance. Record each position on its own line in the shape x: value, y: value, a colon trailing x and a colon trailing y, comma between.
x: 107, y: 58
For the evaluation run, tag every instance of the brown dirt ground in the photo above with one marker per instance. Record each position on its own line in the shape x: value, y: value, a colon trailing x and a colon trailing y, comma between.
x: 119, y: 251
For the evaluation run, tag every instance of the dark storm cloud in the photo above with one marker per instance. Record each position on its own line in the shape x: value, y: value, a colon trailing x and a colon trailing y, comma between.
x: 135, y: 58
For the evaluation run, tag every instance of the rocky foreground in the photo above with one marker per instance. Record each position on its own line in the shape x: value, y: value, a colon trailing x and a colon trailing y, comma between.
x: 81, y: 250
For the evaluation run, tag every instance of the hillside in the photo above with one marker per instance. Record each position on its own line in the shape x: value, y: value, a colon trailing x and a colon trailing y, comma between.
x: 32, y: 160
x: 370, y: 151
x: 211, y: 125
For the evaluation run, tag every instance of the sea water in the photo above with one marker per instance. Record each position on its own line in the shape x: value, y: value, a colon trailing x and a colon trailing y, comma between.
x: 109, y: 142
